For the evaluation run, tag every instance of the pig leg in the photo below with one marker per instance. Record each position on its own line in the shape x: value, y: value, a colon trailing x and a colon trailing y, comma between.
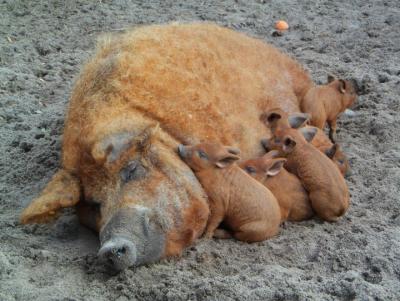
x: 332, y: 130
x: 216, y: 217
x: 62, y: 191
x: 255, y: 231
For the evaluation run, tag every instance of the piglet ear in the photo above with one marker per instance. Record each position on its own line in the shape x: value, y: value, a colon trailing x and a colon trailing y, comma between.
x: 298, y: 120
x: 330, y: 78
x: 271, y: 116
x: 271, y: 154
x: 342, y: 86
x: 288, y: 144
x: 330, y: 152
x: 226, y: 160
x: 309, y: 133
x: 275, y: 167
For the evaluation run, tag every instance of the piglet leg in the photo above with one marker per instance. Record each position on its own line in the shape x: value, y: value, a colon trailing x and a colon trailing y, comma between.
x: 222, y: 234
x: 216, y: 217
x: 332, y: 130
x: 255, y: 231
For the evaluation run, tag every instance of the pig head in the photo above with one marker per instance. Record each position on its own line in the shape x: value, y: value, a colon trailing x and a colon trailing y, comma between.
x: 133, y: 189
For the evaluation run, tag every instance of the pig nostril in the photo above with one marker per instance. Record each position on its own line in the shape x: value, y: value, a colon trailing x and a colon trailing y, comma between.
x: 121, y: 251
x: 118, y: 253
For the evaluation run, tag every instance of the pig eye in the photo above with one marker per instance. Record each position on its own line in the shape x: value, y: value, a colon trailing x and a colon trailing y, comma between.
x: 133, y: 171
x: 202, y: 154
x: 341, y: 161
x: 250, y: 169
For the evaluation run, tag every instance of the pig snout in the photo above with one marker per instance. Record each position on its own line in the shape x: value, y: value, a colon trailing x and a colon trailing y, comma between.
x: 119, y: 253
x: 130, y: 238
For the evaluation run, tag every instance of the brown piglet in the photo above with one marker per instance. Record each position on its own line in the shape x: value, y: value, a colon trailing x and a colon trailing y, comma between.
x: 325, y: 102
x: 327, y: 189
x: 247, y: 208
x: 286, y: 187
x: 278, y: 120
x: 332, y: 150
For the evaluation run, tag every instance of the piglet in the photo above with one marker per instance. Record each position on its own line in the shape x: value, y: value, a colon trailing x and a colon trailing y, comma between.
x: 325, y: 102
x: 248, y: 209
x: 332, y: 150
x: 286, y: 187
x: 278, y: 120
x: 327, y: 189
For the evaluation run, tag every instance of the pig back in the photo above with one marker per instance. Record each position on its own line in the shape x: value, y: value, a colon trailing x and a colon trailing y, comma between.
x: 198, y: 81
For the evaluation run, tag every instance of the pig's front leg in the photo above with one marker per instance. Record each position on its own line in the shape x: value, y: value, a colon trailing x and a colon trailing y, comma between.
x: 216, y: 217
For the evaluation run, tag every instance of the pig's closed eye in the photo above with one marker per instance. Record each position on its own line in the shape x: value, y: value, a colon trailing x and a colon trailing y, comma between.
x: 341, y: 161
x: 250, y: 169
x: 202, y: 154
x: 133, y: 171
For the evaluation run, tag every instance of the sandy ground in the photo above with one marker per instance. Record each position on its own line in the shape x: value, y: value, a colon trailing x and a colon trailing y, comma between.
x: 42, y: 47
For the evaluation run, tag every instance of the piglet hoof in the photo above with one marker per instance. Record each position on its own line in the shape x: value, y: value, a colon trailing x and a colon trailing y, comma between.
x: 332, y: 136
x: 208, y: 235
x: 348, y: 173
x: 264, y: 143
x: 349, y: 113
x: 222, y: 234
x: 118, y: 253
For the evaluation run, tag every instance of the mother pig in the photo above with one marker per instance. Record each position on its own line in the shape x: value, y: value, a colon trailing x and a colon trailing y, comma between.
x: 143, y: 93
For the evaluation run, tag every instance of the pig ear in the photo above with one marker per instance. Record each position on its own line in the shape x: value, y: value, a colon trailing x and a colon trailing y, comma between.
x: 62, y: 191
x: 309, y: 133
x: 226, y: 160
x: 330, y: 78
x: 275, y: 167
x: 288, y: 144
x: 145, y: 139
x: 110, y: 148
x: 342, y: 86
x: 330, y: 152
x: 298, y: 120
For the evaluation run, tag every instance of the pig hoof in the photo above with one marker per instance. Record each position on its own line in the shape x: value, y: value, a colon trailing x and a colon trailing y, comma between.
x: 118, y: 253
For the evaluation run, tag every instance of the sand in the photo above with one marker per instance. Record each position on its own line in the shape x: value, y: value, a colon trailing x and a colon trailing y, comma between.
x: 43, y: 44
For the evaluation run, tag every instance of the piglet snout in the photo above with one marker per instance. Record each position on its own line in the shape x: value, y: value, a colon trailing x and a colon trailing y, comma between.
x: 118, y: 253
x: 182, y: 151
x: 265, y: 144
